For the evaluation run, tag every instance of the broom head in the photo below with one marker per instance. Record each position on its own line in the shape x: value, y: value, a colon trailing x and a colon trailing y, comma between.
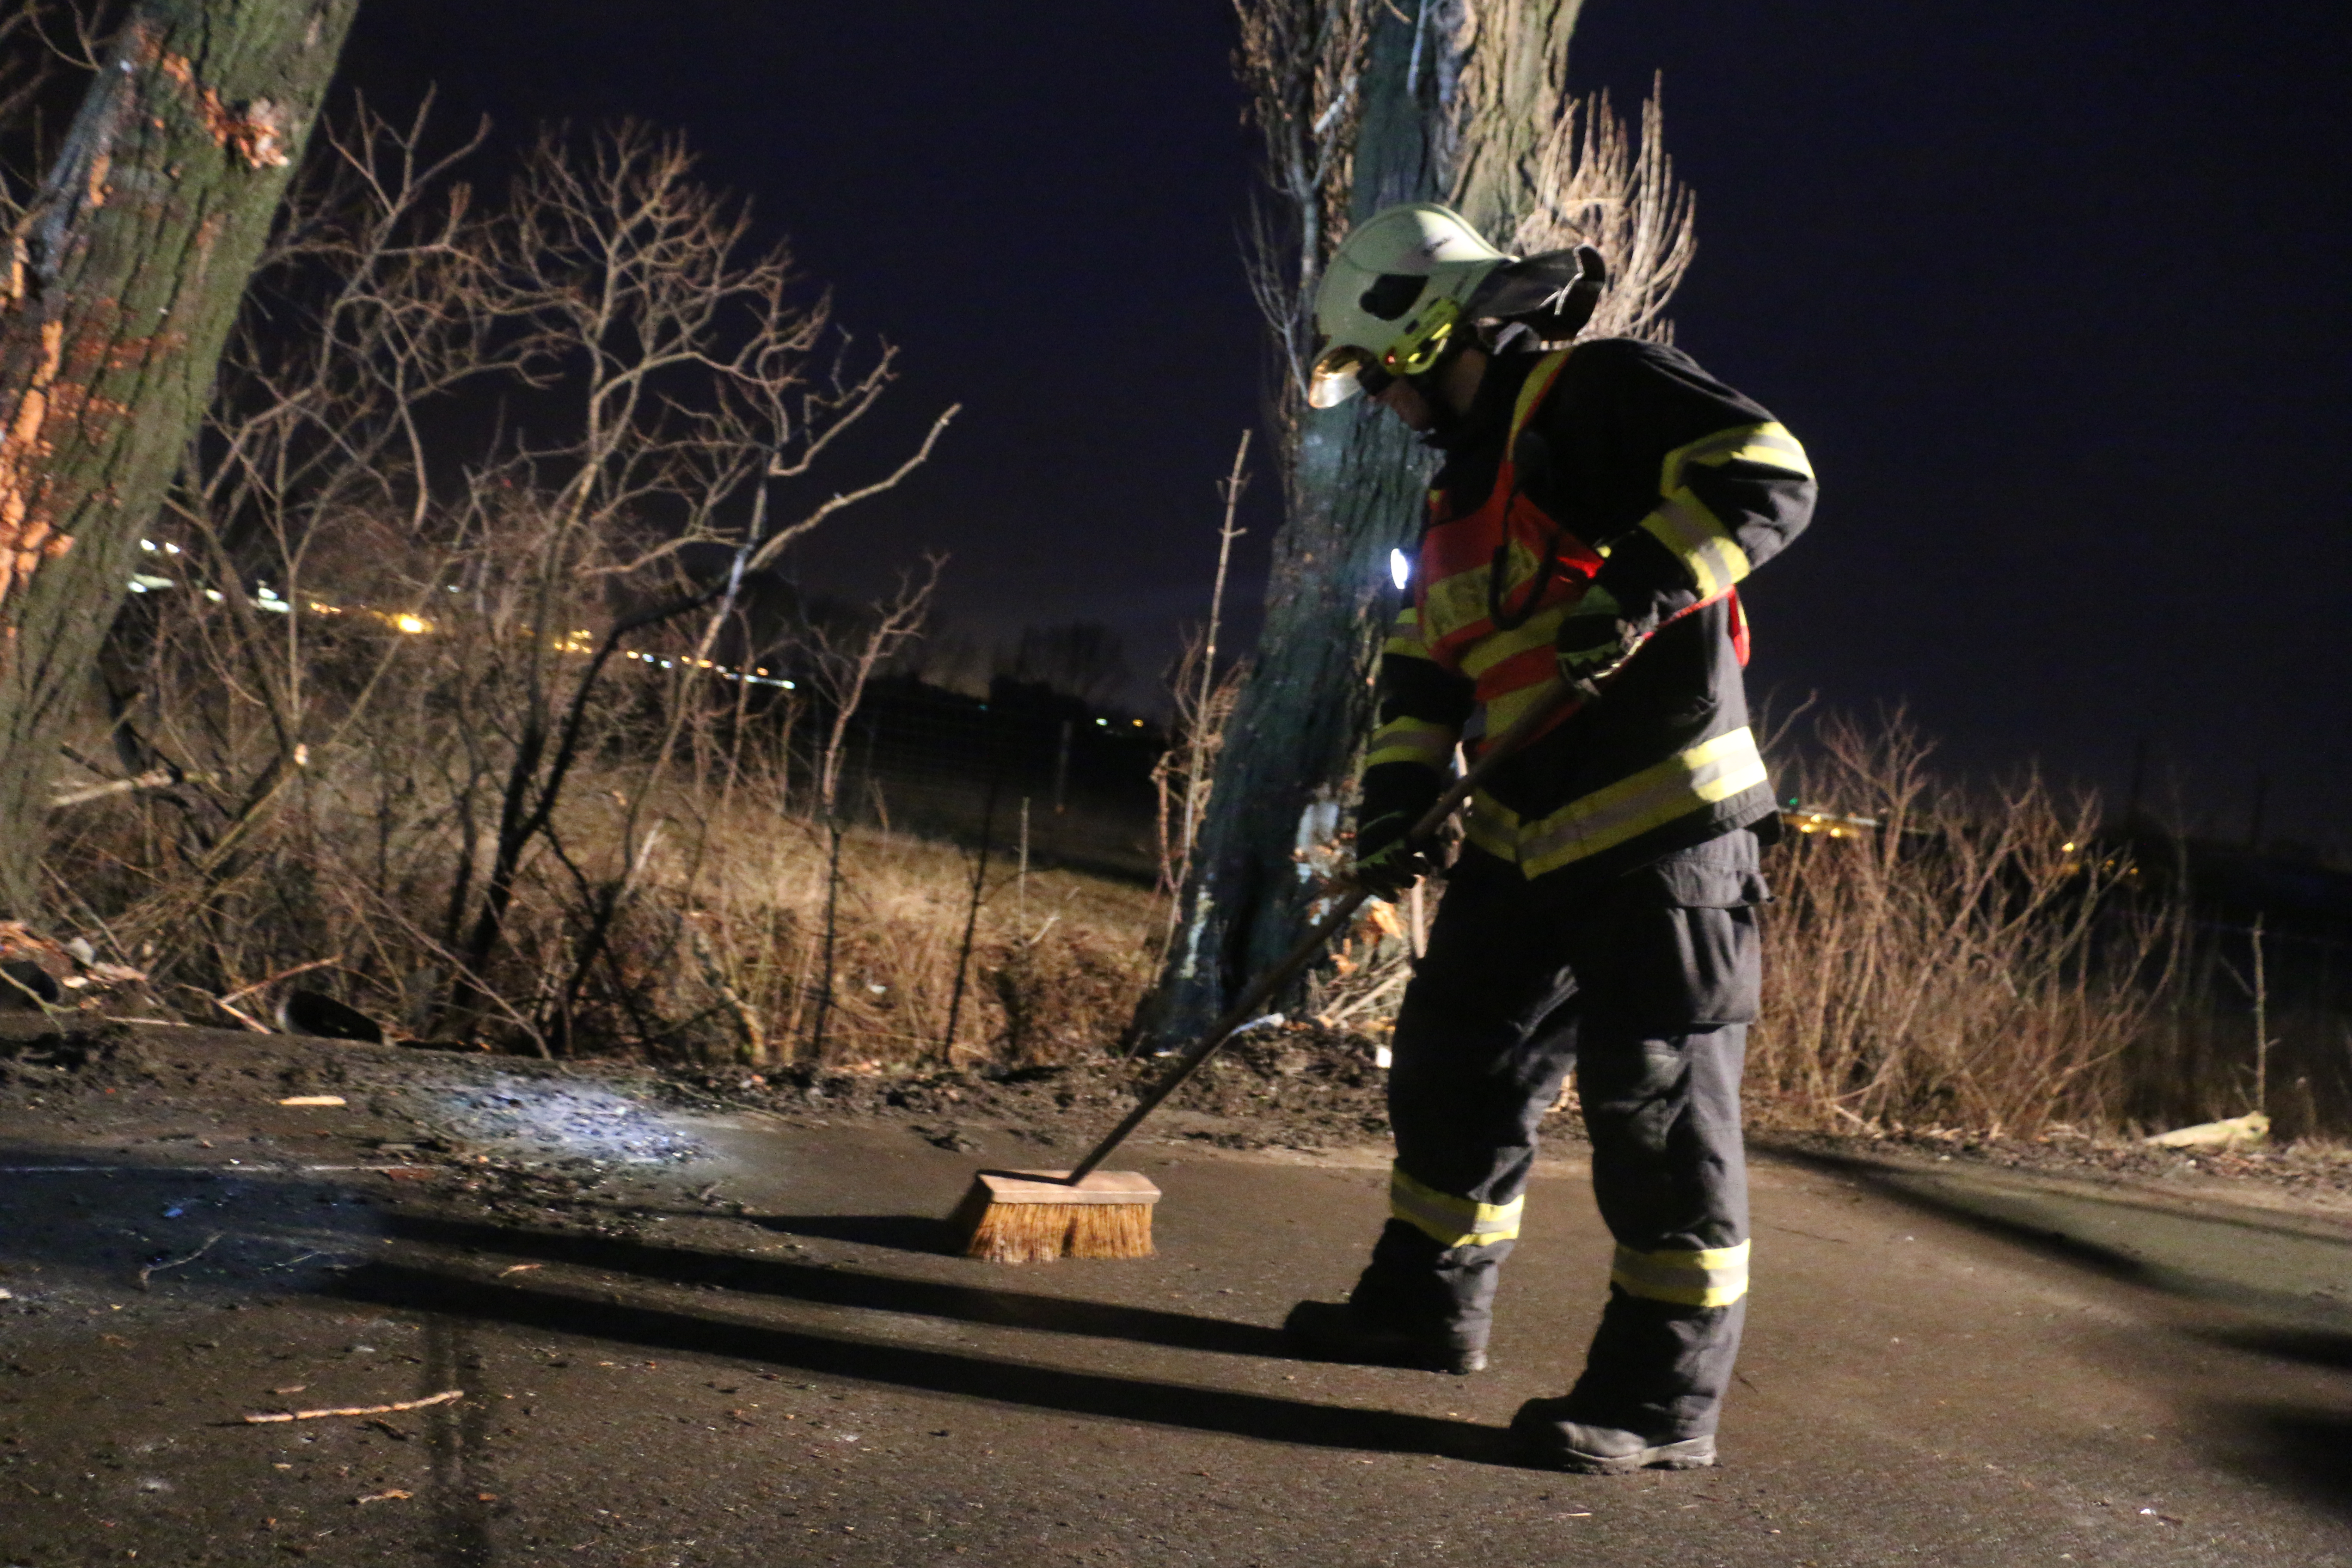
x: 1036, y: 1217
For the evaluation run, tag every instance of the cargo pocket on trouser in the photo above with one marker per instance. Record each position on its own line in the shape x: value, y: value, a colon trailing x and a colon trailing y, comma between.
x: 1688, y: 950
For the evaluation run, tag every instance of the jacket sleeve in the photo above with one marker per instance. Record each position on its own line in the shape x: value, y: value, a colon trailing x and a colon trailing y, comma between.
x: 1733, y: 487
x: 1423, y: 707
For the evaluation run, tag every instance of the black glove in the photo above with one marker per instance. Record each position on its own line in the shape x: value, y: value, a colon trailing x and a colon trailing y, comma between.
x: 1595, y: 640
x: 1386, y: 865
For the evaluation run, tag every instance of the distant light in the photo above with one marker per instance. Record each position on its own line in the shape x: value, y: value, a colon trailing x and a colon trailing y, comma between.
x: 170, y: 550
x: 789, y: 687
x: 412, y: 625
x: 2067, y: 847
x: 1104, y: 723
x: 147, y: 544
x: 1138, y: 723
x: 1399, y: 568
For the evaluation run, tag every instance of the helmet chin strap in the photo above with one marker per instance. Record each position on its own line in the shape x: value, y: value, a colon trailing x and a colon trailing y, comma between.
x: 1444, y: 420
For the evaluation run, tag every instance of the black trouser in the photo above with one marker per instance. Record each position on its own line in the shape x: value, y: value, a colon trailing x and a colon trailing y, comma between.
x: 1645, y: 984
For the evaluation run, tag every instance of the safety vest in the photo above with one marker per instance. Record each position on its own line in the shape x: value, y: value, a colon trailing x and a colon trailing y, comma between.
x: 1495, y: 583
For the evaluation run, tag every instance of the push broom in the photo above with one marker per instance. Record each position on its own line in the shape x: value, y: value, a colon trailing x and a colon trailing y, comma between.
x: 1036, y: 1216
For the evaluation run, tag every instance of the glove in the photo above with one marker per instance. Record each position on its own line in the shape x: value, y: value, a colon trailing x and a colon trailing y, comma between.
x: 1386, y: 864
x: 1595, y: 640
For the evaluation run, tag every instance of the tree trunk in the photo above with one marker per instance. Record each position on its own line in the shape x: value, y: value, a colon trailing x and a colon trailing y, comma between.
x: 114, y: 305
x: 1455, y: 94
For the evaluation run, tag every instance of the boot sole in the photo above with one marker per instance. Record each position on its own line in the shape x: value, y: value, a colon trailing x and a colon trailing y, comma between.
x: 1692, y: 1454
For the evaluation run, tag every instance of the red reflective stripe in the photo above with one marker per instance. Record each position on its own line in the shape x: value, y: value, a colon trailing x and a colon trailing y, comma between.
x: 1533, y: 667
x: 1738, y: 627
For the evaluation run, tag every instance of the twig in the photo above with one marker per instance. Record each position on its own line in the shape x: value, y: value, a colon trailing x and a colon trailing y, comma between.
x: 261, y: 1417
x: 155, y: 778
x: 972, y: 919
x: 281, y: 974
x: 176, y: 1262
x: 242, y: 1017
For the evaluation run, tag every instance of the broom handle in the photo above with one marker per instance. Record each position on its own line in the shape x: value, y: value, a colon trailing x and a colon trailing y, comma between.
x: 1554, y: 701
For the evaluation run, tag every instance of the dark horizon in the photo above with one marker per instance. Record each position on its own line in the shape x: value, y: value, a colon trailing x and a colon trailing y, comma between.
x: 2047, y: 301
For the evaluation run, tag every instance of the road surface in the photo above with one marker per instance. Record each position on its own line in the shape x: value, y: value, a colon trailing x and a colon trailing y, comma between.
x: 738, y: 1342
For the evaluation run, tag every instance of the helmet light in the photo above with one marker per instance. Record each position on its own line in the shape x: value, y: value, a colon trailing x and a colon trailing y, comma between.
x: 1423, y: 342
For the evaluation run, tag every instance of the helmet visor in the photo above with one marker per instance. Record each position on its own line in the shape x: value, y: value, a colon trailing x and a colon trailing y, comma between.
x: 1338, y: 375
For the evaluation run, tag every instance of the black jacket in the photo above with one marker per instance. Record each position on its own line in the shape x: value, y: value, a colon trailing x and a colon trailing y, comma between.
x: 1683, y: 486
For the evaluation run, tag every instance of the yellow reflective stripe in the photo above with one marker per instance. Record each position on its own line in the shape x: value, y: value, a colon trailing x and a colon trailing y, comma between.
x: 1770, y: 445
x: 1492, y: 826
x: 1411, y: 741
x: 1536, y: 631
x: 1450, y: 1221
x: 1531, y: 390
x: 1404, y: 637
x: 1716, y: 1277
x: 1705, y: 547
x: 1689, y: 781
x: 1504, y: 709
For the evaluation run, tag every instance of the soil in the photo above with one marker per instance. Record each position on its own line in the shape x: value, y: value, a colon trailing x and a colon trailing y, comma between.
x: 515, y: 1134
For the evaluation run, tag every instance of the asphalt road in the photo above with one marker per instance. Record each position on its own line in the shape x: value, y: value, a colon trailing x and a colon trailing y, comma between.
x: 742, y: 1344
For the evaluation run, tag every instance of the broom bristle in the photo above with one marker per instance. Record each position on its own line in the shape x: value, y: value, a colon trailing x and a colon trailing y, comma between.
x: 1004, y: 1223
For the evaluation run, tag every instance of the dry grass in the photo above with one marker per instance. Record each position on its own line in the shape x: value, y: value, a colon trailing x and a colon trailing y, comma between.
x: 717, y: 931
x: 1938, y: 959
x: 1059, y: 957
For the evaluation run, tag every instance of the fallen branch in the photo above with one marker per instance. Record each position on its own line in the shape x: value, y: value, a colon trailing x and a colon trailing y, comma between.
x: 281, y: 974
x: 260, y: 1417
x: 248, y: 1019
x: 175, y: 1263
x: 158, y: 778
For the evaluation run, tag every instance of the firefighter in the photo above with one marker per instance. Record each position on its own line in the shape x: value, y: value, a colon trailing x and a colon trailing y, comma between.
x: 1596, y: 507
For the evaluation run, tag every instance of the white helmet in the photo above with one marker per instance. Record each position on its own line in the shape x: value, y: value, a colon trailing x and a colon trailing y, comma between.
x: 1394, y: 296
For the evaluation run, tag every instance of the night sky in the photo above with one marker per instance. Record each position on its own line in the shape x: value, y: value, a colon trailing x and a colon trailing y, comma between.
x: 2054, y: 294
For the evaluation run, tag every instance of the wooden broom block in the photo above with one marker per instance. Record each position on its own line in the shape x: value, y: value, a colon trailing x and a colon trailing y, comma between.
x: 1040, y: 1187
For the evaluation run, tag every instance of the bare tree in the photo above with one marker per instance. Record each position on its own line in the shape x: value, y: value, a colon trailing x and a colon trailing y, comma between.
x: 1181, y: 779
x: 365, y: 611
x: 1592, y: 181
x: 1360, y: 104
x: 633, y: 280
x: 843, y: 661
x: 121, y: 280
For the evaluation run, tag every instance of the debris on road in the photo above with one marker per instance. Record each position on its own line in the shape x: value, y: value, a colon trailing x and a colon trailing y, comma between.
x: 154, y: 1268
x: 2238, y: 1130
x: 395, y: 1495
x: 314, y: 1099
x: 260, y: 1417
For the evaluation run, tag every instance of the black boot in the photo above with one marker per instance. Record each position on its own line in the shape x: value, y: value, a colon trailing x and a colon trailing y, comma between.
x: 1548, y: 1439
x: 1334, y: 1331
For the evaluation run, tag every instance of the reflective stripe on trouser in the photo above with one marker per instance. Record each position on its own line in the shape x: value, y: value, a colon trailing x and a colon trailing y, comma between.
x: 1649, y: 999
x: 1450, y: 1221
x: 1687, y: 1276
